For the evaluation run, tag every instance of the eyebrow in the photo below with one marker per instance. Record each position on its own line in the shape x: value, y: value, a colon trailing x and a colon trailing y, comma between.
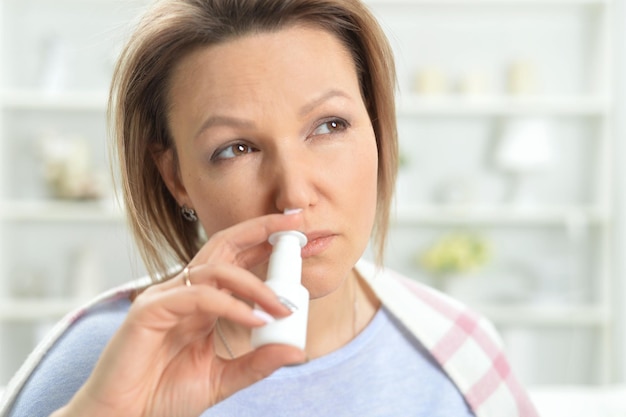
x: 224, y: 121
x: 309, y: 107
x: 236, y: 122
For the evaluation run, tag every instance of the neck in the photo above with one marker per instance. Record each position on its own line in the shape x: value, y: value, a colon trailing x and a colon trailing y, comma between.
x: 333, y: 319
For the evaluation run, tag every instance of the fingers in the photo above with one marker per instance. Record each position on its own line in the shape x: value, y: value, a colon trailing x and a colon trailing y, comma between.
x: 245, y: 244
x: 163, y: 310
x: 239, y: 373
x: 223, y: 262
x: 232, y: 280
x: 243, y: 284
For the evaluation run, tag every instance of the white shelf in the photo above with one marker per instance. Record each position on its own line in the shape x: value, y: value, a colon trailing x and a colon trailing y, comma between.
x: 36, y: 309
x: 32, y: 310
x: 485, y: 2
x: 454, y: 215
x: 60, y: 211
x: 407, y: 105
x: 570, y: 316
x: 67, y: 101
x: 503, y: 106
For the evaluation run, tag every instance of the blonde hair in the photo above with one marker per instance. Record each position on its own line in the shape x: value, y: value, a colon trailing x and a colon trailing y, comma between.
x: 138, y: 103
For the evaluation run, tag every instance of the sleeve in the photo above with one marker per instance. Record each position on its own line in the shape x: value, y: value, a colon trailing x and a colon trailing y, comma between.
x: 68, y: 364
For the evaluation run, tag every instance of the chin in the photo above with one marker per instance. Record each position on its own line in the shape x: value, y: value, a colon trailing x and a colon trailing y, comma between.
x: 322, y: 281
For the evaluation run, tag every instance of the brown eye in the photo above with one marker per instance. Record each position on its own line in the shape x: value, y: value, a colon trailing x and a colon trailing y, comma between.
x: 240, y: 149
x: 232, y: 151
x: 331, y: 126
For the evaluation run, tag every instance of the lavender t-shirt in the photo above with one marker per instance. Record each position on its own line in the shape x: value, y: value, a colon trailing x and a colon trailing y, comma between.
x: 383, y: 372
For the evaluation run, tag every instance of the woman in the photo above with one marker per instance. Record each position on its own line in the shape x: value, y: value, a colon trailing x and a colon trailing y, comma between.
x: 236, y: 119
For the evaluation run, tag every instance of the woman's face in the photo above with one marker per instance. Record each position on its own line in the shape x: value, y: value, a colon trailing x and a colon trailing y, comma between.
x: 276, y: 121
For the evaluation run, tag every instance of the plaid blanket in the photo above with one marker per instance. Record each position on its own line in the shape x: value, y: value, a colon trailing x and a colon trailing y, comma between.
x: 465, y: 344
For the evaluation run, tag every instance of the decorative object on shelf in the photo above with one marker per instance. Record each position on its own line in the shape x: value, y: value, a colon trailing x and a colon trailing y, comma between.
x: 55, y: 64
x: 86, y: 267
x: 525, y: 147
x: 27, y: 281
x: 555, y: 280
x: 458, y: 252
x: 457, y: 190
x: 431, y: 81
x: 452, y: 258
x: 474, y: 84
x: 513, y: 286
x: 405, y: 181
x: 522, y: 78
x: 68, y: 171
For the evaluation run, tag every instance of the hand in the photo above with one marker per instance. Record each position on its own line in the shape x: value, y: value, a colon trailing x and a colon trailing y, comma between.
x: 162, y: 360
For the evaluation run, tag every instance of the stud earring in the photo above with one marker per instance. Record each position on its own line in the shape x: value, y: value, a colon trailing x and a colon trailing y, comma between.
x: 188, y: 214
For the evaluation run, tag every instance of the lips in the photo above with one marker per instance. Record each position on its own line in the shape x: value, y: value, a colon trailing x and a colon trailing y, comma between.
x: 317, y: 243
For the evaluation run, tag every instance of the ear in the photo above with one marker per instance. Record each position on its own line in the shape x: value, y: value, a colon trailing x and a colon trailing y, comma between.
x: 167, y: 165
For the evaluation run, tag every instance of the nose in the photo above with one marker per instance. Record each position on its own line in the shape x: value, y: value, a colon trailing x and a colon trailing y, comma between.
x: 292, y: 181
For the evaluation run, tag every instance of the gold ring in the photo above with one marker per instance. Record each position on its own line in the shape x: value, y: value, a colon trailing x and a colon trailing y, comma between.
x: 187, y: 276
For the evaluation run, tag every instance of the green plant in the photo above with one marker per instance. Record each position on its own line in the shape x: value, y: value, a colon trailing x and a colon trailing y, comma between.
x: 457, y: 252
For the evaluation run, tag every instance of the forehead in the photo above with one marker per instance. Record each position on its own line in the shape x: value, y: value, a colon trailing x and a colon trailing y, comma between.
x: 296, y: 59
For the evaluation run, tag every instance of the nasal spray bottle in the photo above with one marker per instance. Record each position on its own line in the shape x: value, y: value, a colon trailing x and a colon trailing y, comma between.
x: 284, y: 274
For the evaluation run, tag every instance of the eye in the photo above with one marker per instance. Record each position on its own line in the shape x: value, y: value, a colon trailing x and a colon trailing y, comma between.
x: 232, y: 151
x: 335, y: 125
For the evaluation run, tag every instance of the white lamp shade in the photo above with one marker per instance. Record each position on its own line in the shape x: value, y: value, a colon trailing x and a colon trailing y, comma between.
x: 526, y: 146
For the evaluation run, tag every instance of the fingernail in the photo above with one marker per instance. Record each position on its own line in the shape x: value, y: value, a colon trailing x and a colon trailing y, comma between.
x: 263, y: 316
x: 292, y: 211
x: 288, y: 303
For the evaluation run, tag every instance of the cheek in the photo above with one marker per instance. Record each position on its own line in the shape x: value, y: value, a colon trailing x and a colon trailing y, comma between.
x: 366, y: 169
x: 215, y: 216
x: 370, y: 186
x: 219, y: 204
x: 360, y: 171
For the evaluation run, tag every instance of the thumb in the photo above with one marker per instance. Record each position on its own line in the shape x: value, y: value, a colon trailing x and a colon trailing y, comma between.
x: 244, y: 371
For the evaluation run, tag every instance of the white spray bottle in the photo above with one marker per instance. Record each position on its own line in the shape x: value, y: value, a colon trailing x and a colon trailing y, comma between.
x: 284, y: 274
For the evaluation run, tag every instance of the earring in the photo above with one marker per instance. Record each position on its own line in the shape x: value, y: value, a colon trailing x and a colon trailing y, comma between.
x: 188, y: 214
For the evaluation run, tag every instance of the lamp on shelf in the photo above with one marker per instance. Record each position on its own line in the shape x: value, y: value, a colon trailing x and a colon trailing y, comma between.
x: 525, y: 148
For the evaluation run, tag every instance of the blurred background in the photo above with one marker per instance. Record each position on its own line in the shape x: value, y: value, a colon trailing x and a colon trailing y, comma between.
x: 510, y: 195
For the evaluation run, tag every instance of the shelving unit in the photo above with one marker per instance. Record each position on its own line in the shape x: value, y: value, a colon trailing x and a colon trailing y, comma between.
x: 503, y: 106
x: 33, y: 310
x: 499, y: 215
x: 482, y: 3
x: 446, y: 136
x: 546, y: 316
x: 89, y: 101
x: 2, y: 174
x: 450, y: 137
x: 60, y: 211
x: 55, y: 253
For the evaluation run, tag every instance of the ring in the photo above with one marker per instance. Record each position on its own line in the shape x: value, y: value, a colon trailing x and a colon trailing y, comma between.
x: 187, y: 276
